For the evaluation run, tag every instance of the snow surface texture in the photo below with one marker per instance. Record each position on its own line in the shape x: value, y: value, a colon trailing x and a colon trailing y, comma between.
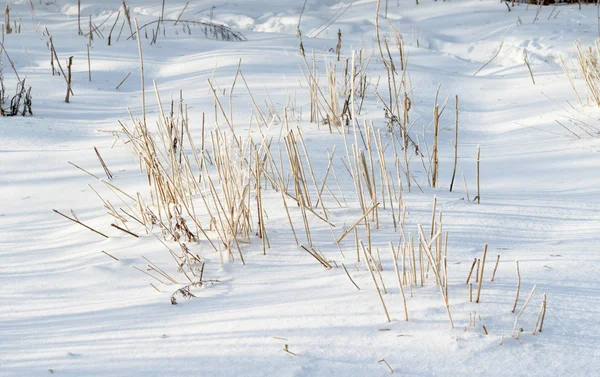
x: 68, y: 309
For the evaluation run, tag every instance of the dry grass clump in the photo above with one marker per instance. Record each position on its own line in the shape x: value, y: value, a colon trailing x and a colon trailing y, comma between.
x: 153, y: 30
x: 330, y: 103
x: 9, y: 27
x: 20, y: 102
x: 589, y: 69
x: 170, y: 177
x: 581, y: 125
x: 588, y: 66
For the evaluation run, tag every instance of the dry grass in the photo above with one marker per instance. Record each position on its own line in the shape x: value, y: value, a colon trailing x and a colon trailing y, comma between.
x: 218, y: 189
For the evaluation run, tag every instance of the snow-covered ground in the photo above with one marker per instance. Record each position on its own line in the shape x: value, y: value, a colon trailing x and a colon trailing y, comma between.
x: 68, y: 309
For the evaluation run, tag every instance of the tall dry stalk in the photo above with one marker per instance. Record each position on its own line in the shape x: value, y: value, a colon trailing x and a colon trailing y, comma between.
x: 455, y: 148
x: 436, y: 132
x: 69, y: 64
x: 481, y: 273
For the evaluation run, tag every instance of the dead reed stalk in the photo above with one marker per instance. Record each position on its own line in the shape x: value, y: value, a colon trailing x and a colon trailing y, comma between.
x: 387, y: 365
x: 543, y: 313
x: 540, y: 315
x: 141, y: 63
x: 436, y: 132
x: 356, y: 223
x: 80, y: 223
x: 478, y: 175
x: 495, y: 267
x: 370, y: 268
x: 79, y: 31
x: 471, y: 271
x: 106, y: 170
x: 518, y: 287
x: 526, y: 60
x: 122, y: 81
x: 89, y: 63
x: 455, y: 148
x: 350, y: 277
x: 69, y: 64
x: 492, y: 59
x: 522, y: 310
x: 481, y: 273
x: 9, y: 30
x: 395, y: 257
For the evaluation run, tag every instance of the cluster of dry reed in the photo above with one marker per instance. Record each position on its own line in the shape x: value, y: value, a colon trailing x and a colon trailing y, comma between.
x: 11, y: 27
x: 588, y: 67
x: 213, y: 191
x: 20, y: 102
x: 157, y: 27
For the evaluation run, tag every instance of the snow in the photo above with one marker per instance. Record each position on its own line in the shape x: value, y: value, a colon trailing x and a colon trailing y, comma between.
x: 70, y: 310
